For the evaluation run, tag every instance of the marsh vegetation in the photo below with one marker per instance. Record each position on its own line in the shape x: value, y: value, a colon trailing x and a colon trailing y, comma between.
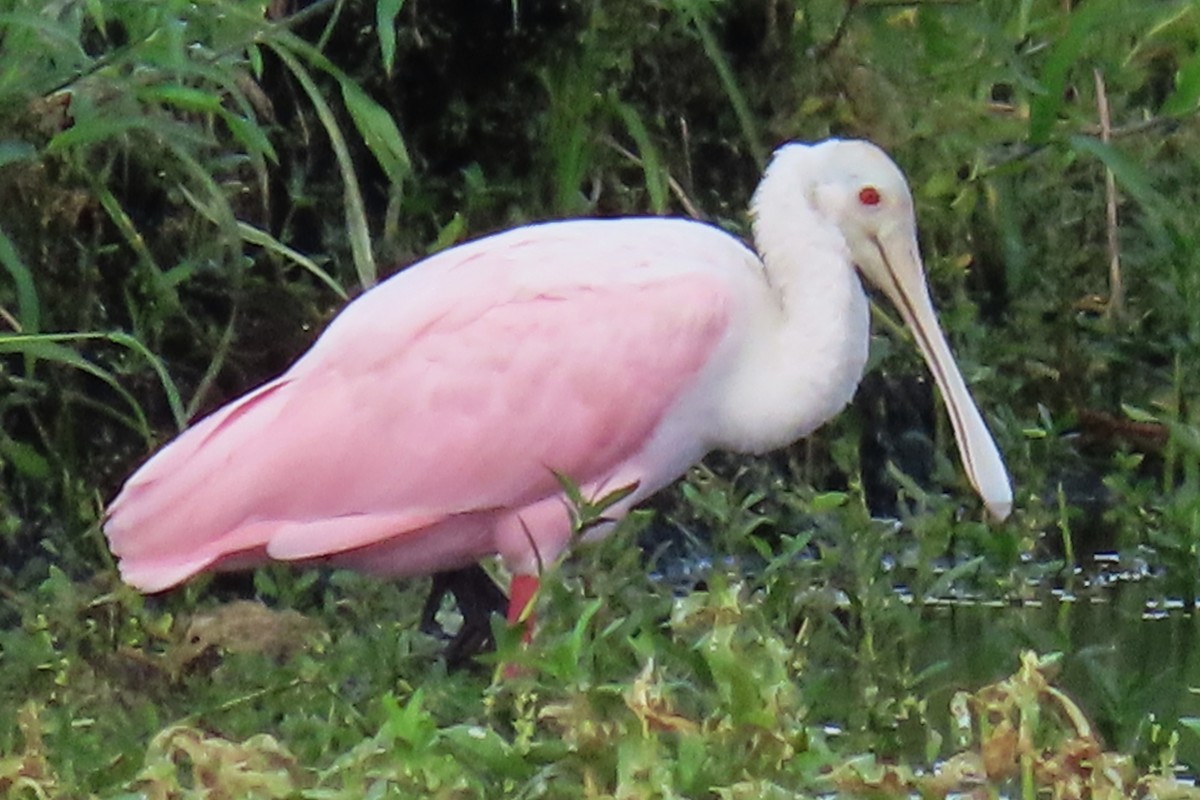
x: 192, y: 189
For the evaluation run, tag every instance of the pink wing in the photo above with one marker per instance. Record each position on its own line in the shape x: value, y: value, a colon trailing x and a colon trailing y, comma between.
x: 463, y: 400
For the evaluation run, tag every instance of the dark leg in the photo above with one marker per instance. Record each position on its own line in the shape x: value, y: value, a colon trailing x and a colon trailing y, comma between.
x: 478, y: 598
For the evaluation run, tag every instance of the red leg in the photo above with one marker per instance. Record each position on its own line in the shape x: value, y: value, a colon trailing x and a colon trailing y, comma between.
x: 520, y: 597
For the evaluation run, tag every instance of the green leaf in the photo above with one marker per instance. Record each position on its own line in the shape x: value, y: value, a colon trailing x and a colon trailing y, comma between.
x: 1131, y: 177
x: 1138, y: 414
x: 124, y: 224
x: 1187, y: 89
x: 48, y: 349
x: 90, y: 131
x: 254, y: 56
x: 1191, y: 723
x: 385, y: 28
x: 570, y: 489
x: 95, y: 9
x: 50, y: 346
x: 655, y: 175
x: 378, y: 130
x: 25, y: 459
x: 942, y: 586
x: 186, y: 98
x: 28, y: 307
x: 250, y: 135
x: 1044, y: 108
x: 357, y: 229
x: 828, y: 501
x: 607, y: 501
x: 569, y: 658
x: 170, y: 390
x: 737, y: 98
x: 450, y: 234
x: 410, y: 723
x: 1182, y: 434
x: 483, y: 747
x: 261, y: 238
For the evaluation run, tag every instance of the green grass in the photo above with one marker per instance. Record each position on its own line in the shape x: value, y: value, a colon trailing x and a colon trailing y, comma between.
x: 628, y: 690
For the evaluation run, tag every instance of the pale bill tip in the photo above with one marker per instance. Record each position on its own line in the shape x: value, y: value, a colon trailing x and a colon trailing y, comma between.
x: 999, y: 509
x: 999, y: 503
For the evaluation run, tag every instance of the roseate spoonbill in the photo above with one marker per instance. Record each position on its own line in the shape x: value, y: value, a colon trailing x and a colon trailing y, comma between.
x: 423, y: 429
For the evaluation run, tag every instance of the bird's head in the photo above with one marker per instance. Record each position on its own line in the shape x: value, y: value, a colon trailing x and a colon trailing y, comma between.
x: 851, y: 194
x: 854, y: 188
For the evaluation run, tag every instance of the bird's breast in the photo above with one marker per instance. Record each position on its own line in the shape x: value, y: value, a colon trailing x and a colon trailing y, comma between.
x: 790, y: 368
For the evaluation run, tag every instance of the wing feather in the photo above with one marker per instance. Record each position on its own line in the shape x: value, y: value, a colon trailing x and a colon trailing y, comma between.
x: 463, y: 398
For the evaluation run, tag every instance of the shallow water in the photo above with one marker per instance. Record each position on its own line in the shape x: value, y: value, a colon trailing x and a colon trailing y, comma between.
x: 1127, y: 653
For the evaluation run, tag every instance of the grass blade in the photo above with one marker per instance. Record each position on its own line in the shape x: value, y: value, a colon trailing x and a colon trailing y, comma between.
x: 1133, y: 179
x: 385, y: 29
x: 50, y: 346
x: 261, y: 238
x: 737, y: 98
x: 378, y: 131
x: 47, y: 348
x: 28, y: 307
x: 655, y: 175
x: 1044, y: 107
x: 356, y: 215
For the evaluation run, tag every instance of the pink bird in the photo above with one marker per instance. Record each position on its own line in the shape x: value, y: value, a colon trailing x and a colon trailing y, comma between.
x: 424, y: 429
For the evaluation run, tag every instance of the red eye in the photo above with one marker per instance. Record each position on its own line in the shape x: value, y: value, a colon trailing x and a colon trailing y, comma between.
x: 869, y: 196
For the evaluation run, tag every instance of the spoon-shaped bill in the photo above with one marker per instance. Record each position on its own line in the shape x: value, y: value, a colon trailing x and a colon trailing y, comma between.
x: 904, y: 284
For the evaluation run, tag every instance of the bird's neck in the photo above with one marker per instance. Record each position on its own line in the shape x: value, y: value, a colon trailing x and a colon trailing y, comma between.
x: 811, y: 347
